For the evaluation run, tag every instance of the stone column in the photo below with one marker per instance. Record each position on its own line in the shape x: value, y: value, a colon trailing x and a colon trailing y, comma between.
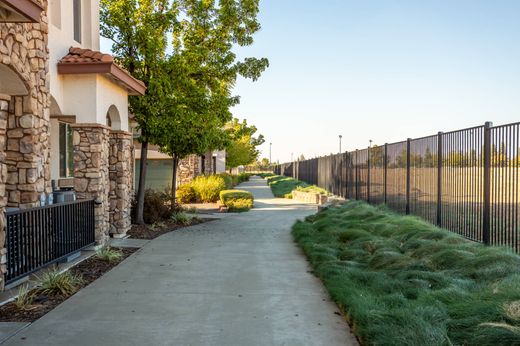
x: 121, y: 182
x: 91, y: 172
x: 4, y: 105
x: 28, y: 152
x: 188, y: 169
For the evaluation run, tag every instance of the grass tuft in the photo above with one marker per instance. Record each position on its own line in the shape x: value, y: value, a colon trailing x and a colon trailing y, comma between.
x: 25, y: 298
x: 53, y: 282
x: 108, y: 254
x: 403, y: 281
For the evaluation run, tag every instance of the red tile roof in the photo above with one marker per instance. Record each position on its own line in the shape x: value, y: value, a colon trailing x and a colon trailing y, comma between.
x: 79, y: 55
x: 81, y: 61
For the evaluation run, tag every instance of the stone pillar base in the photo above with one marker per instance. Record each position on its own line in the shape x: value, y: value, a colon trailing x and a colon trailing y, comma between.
x: 91, y: 175
x: 121, y: 182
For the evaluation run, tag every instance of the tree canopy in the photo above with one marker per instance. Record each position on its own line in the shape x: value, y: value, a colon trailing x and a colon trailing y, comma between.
x: 183, y: 51
x: 242, y: 148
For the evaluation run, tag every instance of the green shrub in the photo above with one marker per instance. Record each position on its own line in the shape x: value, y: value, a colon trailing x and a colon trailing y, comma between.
x: 108, y: 254
x: 313, y: 189
x: 239, y: 205
x: 237, y: 200
x: 228, y: 179
x: 403, y: 281
x: 186, y: 194
x: 156, y: 207
x: 53, y: 282
x: 207, y: 188
x: 265, y: 175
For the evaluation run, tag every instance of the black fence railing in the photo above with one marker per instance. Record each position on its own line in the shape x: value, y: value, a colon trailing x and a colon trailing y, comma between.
x: 41, y: 236
x: 467, y: 181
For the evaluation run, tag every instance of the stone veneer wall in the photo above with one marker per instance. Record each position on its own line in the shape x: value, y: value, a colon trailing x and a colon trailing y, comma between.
x: 24, y: 120
x: 121, y: 179
x: 91, y: 172
x: 188, y: 169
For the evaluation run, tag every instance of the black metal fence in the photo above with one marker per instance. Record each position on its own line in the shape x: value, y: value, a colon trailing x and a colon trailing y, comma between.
x: 467, y: 181
x: 41, y: 236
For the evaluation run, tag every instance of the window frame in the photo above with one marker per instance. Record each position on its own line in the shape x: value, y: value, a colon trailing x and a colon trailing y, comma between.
x: 77, y: 20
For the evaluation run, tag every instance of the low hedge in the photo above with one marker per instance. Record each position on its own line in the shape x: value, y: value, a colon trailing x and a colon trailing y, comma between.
x: 237, y: 200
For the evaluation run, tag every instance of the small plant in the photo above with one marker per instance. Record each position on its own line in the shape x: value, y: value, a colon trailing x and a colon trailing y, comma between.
x: 25, y: 298
x: 181, y: 218
x: 55, y: 283
x: 108, y: 254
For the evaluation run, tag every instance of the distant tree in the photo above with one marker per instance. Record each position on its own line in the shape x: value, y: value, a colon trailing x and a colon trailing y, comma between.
x: 301, y: 158
x: 242, y: 148
x: 429, y: 160
x: 377, y: 155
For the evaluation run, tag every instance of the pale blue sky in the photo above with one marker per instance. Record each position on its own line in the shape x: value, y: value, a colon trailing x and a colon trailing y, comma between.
x: 380, y: 69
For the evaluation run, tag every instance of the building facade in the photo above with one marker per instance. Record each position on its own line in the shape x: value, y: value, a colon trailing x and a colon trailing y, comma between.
x: 63, y: 113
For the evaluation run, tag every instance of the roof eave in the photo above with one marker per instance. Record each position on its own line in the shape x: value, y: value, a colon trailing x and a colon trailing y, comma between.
x: 133, y: 85
x: 27, y: 9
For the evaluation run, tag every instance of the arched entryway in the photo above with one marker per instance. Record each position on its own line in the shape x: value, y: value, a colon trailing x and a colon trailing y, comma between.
x: 113, y: 119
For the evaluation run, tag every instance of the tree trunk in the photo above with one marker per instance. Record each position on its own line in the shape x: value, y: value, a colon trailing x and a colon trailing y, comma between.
x: 141, y: 187
x: 174, y: 182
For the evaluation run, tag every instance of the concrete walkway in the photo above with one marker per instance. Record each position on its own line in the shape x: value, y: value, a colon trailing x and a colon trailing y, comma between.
x: 240, y: 280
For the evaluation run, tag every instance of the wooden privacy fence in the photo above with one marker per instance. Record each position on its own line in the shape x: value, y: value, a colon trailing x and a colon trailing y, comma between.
x: 466, y: 181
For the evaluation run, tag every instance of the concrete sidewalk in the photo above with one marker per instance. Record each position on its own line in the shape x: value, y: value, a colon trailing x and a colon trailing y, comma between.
x: 240, y: 280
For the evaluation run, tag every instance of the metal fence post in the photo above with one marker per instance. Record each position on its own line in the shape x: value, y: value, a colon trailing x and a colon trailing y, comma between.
x: 439, y: 179
x: 368, y: 175
x: 356, y: 175
x: 486, y: 222
x: 385, y: 163
x: 408, y: 176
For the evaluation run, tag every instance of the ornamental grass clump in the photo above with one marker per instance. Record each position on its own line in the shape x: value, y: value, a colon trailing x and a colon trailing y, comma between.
x: 109, y: 254
x: 65, y: 284
x: 25, y: 298
x: 403, y: 281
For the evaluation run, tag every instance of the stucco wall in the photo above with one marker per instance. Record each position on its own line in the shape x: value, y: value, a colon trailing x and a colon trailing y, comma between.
x: 221, y: 160
x: 62, y: 35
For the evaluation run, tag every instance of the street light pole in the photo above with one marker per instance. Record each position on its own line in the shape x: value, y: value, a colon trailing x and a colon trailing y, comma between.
x: 270, y: 145
x: 340, y: 136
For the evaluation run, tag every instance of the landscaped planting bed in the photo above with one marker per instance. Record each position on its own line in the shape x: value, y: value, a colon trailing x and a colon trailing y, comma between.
x: 402, y: 281
x: 41, y: 300
x: 283, y: 187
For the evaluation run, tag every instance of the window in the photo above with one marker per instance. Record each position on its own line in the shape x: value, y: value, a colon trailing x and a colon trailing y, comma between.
x: 66, y: 151
x: 77, y: 20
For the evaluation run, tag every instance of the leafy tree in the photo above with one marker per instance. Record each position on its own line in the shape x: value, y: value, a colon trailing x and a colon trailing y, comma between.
x: 139, y: 30
x: 242, y: 147
x: 189, y: 88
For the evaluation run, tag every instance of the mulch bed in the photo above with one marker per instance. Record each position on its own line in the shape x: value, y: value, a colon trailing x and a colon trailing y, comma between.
x: 150, y: 232
x: 90, y: 269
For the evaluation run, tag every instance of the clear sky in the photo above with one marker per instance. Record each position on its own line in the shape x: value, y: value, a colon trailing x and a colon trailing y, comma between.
x: 383, y: 70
